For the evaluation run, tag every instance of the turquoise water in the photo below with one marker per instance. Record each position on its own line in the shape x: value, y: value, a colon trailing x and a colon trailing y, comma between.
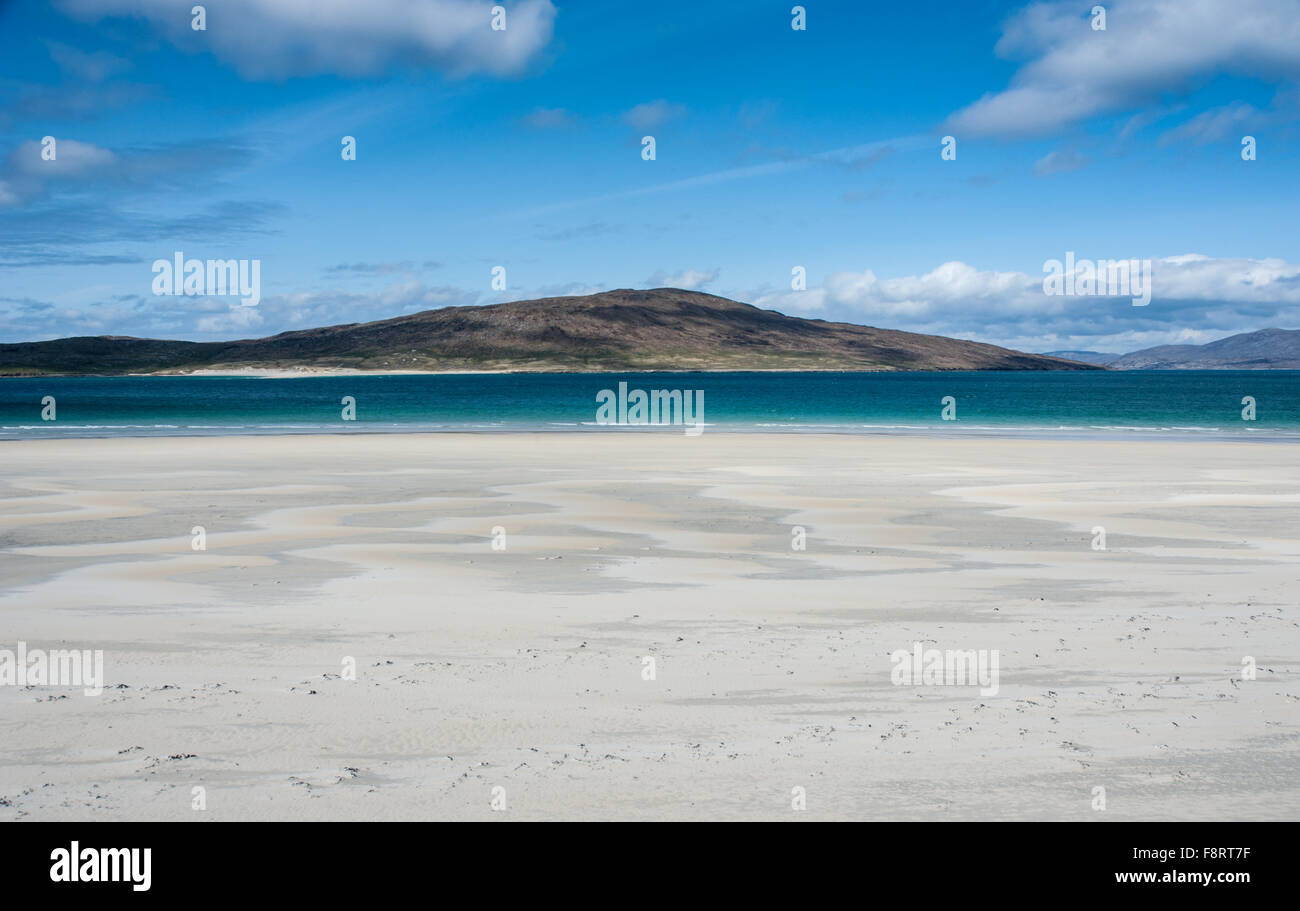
x: 1170, y: 403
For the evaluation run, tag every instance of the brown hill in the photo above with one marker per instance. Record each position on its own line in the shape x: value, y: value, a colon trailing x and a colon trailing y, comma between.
x: 660, y: 329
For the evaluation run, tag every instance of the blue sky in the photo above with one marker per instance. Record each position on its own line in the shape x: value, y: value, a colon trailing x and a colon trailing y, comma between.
x: 775, y: 148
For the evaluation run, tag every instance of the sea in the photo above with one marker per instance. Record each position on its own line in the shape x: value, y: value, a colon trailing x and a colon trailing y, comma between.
x: 1239, y: 405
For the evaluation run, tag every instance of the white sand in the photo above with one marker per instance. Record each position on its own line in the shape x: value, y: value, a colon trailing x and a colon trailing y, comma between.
x: 523, y: 669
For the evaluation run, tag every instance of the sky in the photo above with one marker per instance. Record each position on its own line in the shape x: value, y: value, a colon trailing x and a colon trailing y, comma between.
x: 518, y: 153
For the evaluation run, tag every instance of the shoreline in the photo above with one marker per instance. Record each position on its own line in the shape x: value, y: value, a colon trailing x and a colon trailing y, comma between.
x: 1180, y: 435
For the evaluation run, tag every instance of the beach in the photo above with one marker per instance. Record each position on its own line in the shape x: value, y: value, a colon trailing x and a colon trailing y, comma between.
x: 420, y: 626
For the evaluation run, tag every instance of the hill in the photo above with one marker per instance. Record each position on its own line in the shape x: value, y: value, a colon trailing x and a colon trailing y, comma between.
x: 659, y: 329
x: 1267, y: 349
x: 1086, y: 357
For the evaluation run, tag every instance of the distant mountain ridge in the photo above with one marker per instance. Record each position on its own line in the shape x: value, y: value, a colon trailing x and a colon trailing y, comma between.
x: 1267, y: 349
x: 1084, y: 357
x: 659, y: 329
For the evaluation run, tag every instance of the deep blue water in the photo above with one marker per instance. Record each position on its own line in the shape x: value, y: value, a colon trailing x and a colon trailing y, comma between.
x: 1172, y: 403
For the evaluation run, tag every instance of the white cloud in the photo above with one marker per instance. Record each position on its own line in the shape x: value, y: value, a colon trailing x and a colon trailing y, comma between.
x: 568, y: 289
x: 1059, y: 161
x: 1149, y: 49
x: 687, y: 280
x: 233, y: 320
x: 795, y: 303
x: 1193, y: 296
x: 311, y: 309
x: 26, y: 173
x: 1212, y: 125
x: 71, y: 159
x: 275, y: 39
x: 651, y: 114
x: 214, y: 317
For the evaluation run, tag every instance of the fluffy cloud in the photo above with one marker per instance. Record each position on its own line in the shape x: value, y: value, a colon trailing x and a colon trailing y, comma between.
x: 274, y: 39
x: 1150, y: 48
x: 1194, y: 297
x: 25, y: 174
x: 28, y: 176
x: 687, y: 280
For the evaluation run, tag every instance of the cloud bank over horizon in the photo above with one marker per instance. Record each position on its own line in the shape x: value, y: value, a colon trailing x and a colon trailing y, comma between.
x: 1194, y: 299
